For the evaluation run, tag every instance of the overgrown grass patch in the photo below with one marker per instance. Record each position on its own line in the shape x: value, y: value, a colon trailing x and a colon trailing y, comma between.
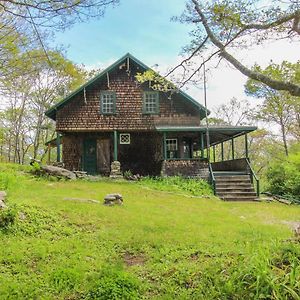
x: 158, y: 245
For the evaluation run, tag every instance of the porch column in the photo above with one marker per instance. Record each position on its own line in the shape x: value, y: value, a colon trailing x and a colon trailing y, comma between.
x: 222, y: 151
x: 202, y: 144
x: 246, y: 145
x: 165, y: 145
x: 57, y: 147
x: 214, y: 153
x: 232, y: 148
x: 115, y: 145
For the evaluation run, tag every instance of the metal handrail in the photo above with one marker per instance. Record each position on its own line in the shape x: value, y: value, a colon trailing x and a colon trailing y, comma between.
x: 212, y: 178
x: 252, y: 173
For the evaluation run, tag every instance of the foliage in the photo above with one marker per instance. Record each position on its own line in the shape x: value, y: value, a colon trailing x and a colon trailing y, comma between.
x: 225, y: 25
x: 284, y: 174
x: 195, y: 187
x: 113, y: 284
x: 7, y: 217
x: 191, y: 247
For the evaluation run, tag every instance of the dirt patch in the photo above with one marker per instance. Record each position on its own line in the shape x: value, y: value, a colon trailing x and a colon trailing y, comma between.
x: 134, y: 259
x: 292, y: 224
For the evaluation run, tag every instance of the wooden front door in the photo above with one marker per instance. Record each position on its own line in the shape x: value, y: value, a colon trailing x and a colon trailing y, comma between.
x: 103, y: 156
x: 90, y: 156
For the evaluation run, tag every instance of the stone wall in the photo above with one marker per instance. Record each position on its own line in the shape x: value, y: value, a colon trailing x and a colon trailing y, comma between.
x: 186, y: 168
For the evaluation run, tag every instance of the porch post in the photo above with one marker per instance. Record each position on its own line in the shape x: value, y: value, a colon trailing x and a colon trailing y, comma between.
x: 246, y: 145
x: 57, y: 147
x: 232, y: 148
x: 222, y: 151
x: 115, y: 145
x: 165, y: 145
x: 214, y: 153
x: 202, y: 144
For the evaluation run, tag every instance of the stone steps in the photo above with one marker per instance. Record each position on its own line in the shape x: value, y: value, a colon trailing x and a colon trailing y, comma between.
x: 235, y: 187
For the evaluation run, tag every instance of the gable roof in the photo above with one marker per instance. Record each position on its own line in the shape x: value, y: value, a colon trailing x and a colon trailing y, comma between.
x: 51, y: 112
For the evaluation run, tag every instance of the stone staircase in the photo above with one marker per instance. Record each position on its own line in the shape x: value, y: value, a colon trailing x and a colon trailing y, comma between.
x: 234, y: 186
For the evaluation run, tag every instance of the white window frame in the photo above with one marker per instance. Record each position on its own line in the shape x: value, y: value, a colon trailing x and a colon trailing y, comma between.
x: 172, y: 141
x: 151, y: 102
x: 108, y: 102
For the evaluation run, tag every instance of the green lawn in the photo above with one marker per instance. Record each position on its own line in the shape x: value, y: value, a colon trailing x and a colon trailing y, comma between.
x: 158, y: 245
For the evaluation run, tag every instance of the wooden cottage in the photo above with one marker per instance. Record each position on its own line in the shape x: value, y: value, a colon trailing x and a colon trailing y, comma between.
x: 115, y: 118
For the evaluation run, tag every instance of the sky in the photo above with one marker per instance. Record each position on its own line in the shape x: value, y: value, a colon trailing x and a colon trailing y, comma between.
x: 144, y: 29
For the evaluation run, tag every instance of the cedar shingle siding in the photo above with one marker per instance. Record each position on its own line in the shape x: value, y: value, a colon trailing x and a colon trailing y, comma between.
x: 77, y: 115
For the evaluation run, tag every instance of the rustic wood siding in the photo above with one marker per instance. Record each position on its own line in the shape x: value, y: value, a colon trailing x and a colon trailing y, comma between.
x: 80, y: 116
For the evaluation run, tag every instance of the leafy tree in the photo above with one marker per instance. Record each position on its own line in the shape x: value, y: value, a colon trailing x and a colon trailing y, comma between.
x: 223, y: 26
x: 279, y: 107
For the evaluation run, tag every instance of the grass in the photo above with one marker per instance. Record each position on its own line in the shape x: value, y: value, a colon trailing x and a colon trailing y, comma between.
x: 158, y: 245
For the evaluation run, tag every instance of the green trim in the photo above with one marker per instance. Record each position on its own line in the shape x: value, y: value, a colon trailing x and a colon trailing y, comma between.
x: 107, y: 92
x: 246, y: 146
x: 222, y: 151
x: 115, y: 145
x: 165, y: 145
x: 156, y: 102
x: 232, y: 149
x: 51, y: 113
x: 243, y: 129
x: 202, y: 144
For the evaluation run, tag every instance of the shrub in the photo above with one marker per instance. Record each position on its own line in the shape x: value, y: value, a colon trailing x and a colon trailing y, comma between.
x: 113, y: 284
x: 284, y: 175
x: 7, y: 217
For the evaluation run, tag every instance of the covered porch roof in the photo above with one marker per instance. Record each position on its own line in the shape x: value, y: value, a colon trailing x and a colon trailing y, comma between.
x: 217, y: 134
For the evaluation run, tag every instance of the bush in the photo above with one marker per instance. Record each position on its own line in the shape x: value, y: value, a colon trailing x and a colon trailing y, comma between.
x: 284, y: 175
x: 195, y: 187
x: 114, y: 284
x: 7, y: 217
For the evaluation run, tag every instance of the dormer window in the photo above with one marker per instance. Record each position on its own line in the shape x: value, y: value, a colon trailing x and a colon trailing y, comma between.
x: 108, y: 102
x: 151, y: 103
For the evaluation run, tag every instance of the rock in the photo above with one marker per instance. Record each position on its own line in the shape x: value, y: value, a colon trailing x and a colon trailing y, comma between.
x: 81, y: 200
x: 80, y: 174
x: 297, y: 231
x: 22, y: 216
x: 113, y: 199
x: 59, y: 172
x: 115, y: 170
x: 2, y: 200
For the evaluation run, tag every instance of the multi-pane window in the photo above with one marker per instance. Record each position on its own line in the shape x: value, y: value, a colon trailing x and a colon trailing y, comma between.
x: 172, y: 148
x: 108, y: 102
x: 151, y: 103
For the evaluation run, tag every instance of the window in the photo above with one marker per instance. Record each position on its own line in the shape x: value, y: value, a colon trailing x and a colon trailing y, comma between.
x: 108, y: 102
x: 172, y: 148
x: 125, y: 138
x: 151, y: 103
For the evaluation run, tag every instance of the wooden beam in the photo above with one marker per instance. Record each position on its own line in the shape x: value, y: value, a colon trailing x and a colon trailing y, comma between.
x: 115, y: 145
x: 214, y: 153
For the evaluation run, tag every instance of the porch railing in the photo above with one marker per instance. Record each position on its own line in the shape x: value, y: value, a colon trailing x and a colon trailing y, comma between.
x: 253, y: 175
x: 212, y: 178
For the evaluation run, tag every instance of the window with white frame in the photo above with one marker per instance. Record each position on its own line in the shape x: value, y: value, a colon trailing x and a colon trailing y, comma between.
x: 108, y: 102
x: 172, y: 148
x: 151, y: 103
x: 125, y: 138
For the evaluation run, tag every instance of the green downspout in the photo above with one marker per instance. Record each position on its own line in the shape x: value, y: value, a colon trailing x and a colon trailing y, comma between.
x: 222, y: 151
x: 115, y: 145
x: 232, y: 148
x: 165, y: 146
x: 246, y: 145
x: 57, y: 147
x: 202, y: 144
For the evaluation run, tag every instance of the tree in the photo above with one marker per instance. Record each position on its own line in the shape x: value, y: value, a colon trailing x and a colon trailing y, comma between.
x: 224, y: 25
x: 279, y: 107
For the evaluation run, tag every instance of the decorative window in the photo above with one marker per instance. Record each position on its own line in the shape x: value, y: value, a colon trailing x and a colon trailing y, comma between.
x: 108, y: 102
x: 151, y: 103
x: 172, y: 148
x: 125, y: 138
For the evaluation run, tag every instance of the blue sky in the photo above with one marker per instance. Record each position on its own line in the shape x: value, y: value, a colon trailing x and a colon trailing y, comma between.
x: 143, y: 28
x: 140, y: 27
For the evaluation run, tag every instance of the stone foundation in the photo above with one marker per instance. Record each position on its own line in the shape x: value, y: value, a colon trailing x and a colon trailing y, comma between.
x: 185, y: 168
